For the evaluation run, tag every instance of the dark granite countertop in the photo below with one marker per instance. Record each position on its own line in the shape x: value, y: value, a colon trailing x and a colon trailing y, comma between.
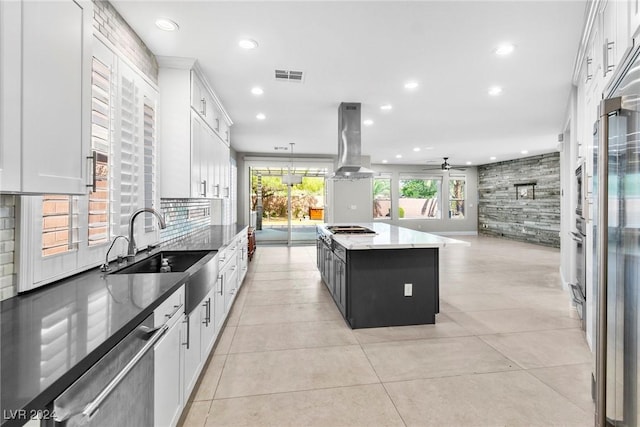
x: 52, y: 335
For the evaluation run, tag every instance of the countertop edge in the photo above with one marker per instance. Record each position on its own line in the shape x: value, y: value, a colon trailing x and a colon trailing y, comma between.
x: 78, y: 369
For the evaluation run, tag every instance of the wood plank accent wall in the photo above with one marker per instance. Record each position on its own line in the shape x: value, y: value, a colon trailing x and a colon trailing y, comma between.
x: 501, y: 214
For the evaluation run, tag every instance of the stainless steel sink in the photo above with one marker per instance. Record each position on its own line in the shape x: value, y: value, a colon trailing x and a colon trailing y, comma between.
x: 178, y: 260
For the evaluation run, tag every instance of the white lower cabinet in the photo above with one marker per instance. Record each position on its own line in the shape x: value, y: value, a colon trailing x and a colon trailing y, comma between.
x: 207, y: 325
x: 191, y: 350
x: 167, y: 368
x: 181, y: 354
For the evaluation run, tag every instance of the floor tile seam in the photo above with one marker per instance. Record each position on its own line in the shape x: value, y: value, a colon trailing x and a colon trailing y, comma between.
x: 393, y: 402
x: 204, y: 422
x: 321, y: 321
x: 360, y: 384
x: 286, y: 303
x: 404, y: 340
x: 568, y: 398
x: 280, y: 323
x: 383, y: 386
x: 281, y: 350
x: 502, y: 354
x: 291, y: 348
x: 463, y: 374
x: 529, y: 331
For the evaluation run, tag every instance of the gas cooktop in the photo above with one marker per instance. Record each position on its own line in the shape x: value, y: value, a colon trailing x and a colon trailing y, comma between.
x: 349, y: 229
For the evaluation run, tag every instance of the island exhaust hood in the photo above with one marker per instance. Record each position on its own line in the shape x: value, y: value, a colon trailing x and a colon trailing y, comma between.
x: 349, y: 144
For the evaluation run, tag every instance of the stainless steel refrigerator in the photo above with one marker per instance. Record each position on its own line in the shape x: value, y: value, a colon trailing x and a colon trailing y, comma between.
x: 617, y: 251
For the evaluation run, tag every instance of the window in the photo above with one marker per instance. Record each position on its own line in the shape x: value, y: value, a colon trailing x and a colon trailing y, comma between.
x: 59, y: 224
x: 457, y: 190
x: 71, y: 234
x: 419, y: 198
x: 382, y: 197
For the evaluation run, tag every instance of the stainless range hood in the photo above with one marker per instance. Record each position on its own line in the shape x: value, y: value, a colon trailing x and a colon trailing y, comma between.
x: 349, y: 144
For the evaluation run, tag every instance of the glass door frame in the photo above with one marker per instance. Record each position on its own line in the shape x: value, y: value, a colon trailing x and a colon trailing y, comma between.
x: 252, y: 163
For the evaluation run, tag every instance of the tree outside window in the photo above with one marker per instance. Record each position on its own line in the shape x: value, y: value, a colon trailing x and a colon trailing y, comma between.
x: 382, y: 197
x: 457, y: 191
x: 419, y: 198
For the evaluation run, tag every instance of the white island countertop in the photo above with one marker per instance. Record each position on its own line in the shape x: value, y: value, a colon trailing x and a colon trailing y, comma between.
x: 390, y: 237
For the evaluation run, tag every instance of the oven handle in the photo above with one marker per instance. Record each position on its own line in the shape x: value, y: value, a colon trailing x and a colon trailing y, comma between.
x: 94, y: 405
x: 577, y: 237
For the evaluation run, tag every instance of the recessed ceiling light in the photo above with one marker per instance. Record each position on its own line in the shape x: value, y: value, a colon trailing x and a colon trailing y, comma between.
x: 416, y: 149
x: 492, y: 158
x: 411, y: 85
x: 260, y: 116
x: 504, y: 49
x: 248, y: 44
x: 257, y: 90
x: 386, y: 107
x: 368, y: 122
x: 495, y: 90
x: 468, y: 163
x: 385, y: 161
x: 398, y: 156
x: 166, y: 24
x: 524, y: 152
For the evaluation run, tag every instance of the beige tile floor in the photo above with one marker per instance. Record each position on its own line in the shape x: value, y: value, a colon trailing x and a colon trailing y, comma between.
x: 507, y: 350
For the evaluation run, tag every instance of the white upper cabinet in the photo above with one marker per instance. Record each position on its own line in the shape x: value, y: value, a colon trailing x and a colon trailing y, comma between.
x: 634, y: 19
x: 616, y: 41
x: 193, y: 152
x: 45, y: 60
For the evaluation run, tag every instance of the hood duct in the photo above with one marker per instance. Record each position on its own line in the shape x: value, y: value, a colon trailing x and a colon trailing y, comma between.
x: 349, y: 143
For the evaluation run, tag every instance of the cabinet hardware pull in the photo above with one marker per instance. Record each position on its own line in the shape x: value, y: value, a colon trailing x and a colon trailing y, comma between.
x: 220, y: 280
x: 589, y: 72
x: 94, y: 168
x: 186, y: 320
x: 89, y: 411
x: 203, y: 103
x: 608, y: 48
x: 204, y: 188
x: 177, y: 308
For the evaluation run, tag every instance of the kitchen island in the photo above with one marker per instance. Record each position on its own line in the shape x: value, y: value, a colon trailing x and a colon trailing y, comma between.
x: 388, y: 277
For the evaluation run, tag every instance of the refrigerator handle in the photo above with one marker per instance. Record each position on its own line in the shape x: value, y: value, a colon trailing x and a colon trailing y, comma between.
x: 607, y: 108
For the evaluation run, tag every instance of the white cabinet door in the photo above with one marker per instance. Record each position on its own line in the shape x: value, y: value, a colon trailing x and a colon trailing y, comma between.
x: 55, y: 98
x: 167, y: 390
x: 219, y: 311
x: 10, y: 74
x: 615, y: 36
x: 207, y: 325
x: 634, y: 19
x: 192, y: 361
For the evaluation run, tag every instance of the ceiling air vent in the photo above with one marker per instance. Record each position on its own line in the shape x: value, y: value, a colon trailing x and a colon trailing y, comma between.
x: 289, y: 75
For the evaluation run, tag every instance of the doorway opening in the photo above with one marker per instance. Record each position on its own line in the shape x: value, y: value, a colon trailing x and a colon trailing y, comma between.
x: 288, y: 201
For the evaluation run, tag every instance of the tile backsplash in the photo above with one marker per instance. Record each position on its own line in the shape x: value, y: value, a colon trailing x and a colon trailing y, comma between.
x: 7, y: 245
x: 184, y: 216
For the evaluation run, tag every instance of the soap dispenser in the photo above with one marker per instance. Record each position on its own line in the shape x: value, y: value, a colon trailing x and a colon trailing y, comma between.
x: 165, y: 267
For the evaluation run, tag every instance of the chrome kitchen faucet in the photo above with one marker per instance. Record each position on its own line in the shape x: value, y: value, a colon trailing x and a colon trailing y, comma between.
x: 131, y: 253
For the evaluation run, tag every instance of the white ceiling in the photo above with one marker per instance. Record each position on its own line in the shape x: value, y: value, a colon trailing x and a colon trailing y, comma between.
x: 364, y: 51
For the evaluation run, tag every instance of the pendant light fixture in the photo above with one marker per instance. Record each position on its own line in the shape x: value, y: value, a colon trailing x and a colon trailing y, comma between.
x: 289, y: 178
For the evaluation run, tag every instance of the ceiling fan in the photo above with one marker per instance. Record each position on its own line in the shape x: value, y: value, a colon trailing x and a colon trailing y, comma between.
x: 445, y: 166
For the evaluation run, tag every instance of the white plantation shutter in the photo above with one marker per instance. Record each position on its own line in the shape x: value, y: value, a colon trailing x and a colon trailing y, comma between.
x: 149, y: 153
x: 101, y: 112
x: 129, y: 151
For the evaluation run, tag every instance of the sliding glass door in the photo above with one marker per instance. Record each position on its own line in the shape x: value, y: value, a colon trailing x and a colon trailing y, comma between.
x: 287, y: 201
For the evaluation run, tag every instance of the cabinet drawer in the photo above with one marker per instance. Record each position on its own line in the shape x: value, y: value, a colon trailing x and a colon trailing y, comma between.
x: 170, y: 310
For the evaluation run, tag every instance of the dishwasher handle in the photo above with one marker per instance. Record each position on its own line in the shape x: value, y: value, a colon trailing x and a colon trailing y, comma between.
x: 89, y: 411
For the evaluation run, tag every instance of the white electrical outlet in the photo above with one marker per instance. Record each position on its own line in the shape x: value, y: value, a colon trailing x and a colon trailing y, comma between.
x: 408, y: 289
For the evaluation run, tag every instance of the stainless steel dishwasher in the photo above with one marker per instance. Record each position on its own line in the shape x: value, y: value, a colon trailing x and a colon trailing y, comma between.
x: 119, y: 389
